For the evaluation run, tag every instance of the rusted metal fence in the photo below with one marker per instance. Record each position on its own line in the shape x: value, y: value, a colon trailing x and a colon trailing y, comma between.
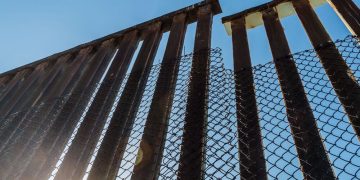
x: 78, y: 114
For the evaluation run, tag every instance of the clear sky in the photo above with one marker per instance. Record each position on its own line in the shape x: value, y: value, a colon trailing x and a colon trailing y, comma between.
x: 31, y: 30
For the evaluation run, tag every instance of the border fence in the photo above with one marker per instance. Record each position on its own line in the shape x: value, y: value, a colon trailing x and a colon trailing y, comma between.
x: 80, y: 115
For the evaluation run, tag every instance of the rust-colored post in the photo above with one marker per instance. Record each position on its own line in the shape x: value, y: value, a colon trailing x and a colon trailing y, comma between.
x: 312, y: 155
x: 23, y: 90
x: 16, y: 142
x: 14, y: 83
x: 193, y: 145
x: 43, y: 120
x: 340, y: 75
x: 251, y: 153
x: 349, y: 13
x: 79, y: 154
x: 154, y: 136
x: 44, y: 161
x: 111, y: 150
x: 4, y: 82
x: 8, y: 128
x: 13, y: 95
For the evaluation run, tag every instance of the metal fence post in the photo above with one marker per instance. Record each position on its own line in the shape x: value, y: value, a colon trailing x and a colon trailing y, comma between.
x: 340, y: 75
x: 251, y: 153
x: 349, y: 13
x: 153, y: 139
x: 193, y: 145
x: 312, y: 155
x: 78, y: 157
x: 111, y: 150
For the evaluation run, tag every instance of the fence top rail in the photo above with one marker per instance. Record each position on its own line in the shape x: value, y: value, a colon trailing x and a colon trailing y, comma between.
x: 253, y: 15
x: 166, y: 21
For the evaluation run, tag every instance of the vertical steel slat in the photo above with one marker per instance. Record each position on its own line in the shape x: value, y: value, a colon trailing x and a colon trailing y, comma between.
x: 73, y: 167
x: 12, y: 97
x: 43, y: 161
x: 16, y: 136
x: 35, y: 91
x: 4, y: 82
x: 311, y: 151
x: 36, y: 133
x: 152, y: 143
x: 17, y: 145
x: 8, y: 128
x: 111, y: 150
x: 193, y: 145
x: 28, y: 84
x: 340, y: 75
x: 251, y: 153
x: 14, y: 83
x: 349, y: 13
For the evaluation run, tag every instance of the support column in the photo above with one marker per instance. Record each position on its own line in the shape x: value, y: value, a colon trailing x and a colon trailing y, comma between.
x: 79, y: 154
x: 340, y: 75
x: 193, y: 145
x: 251, y: 153
x: 14, y: 83
x: 43, y: 162
x: 153, y: 139
x: 312, y: 155
x: 113, y: 146
x: 44, y: 119
x: 349, y: 14
x: 22, y: 90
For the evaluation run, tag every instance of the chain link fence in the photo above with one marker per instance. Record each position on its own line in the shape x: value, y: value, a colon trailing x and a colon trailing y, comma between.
x: 223, y: 137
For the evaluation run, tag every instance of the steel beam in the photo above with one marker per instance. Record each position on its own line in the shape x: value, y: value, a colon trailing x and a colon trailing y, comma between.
x: 342, y: 79
x: 23, y: 90
x: 52, y: 146
x: 111, y: 150
x: 13, y: 121
x: 193, y: 145
x: 251, y: 153
x: 44, y: 119
x: 14, y: 83
x: 311, y: 152
x: 349, y: 13
x: 152, y: 143
x: 74, y: 167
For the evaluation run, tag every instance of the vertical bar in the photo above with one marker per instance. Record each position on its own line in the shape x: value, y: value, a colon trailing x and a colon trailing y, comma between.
x: 16, y: 147
x: 14, y: 83
x: 79, y: 154
x: 111, y: 150
x: 152, y: 143
x: 44, y: 161
x: 340, y: 75
x: 45, y: 118
x: 349, y: 13
x: 193, y: 145
x: 17, y: 95
x: 312, y: 155
x: 4, y: 82
x: 14, y: 144
x: 8, y: 128
x: 251, y: 153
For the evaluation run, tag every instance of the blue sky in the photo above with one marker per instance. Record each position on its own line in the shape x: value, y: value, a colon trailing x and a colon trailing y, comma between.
x: 31, y: 30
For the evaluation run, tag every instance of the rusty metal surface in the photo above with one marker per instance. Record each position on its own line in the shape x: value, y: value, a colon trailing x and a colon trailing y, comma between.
x: 192, y: 150
x: 156, y: 125
x: 311, y: 151
x: 340, y: 75
x: 252, y: 162
x: 108, y: 158
x: 98, y: 111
